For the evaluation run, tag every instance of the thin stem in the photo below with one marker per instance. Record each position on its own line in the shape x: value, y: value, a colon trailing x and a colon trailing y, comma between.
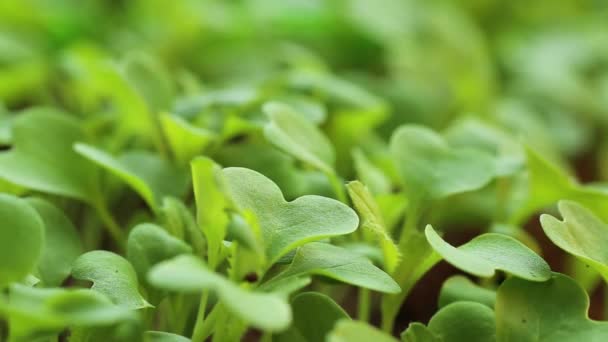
x: 363, y: 309
x: 266, y: 337
x: 338, y: 186
x: 199, y: 331
x: 111, y: 225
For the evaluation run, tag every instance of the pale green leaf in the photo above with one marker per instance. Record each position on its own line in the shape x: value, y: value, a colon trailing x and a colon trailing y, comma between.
x: 489, y: 252
x: 21, y: 239
x: 111, y: 275
x: 188, y: 274
x: 287, y: 225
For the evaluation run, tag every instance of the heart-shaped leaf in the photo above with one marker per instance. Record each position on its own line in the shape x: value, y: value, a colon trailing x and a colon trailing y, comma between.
x: 147, y: 174
x: 581, y: 234
x: 111, y: 275
x: 338, y: 263
x: 354, y: 331
x: 457, y: 322
x: 298, y: 137
x: 431, y: 169
x: 42, y: 157
x: 149, y: 244
x: 489, y: 252
x: 21, y: 239
x: 462, y: 289
x: 62, y: 244
x: 188, y: 274
x: 372, y: 222
x: 287, y: 225
x: 314, y: 316
x: 555, y: 310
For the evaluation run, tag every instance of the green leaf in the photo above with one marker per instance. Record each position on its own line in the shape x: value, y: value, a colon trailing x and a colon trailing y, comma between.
x: 111, y: 275
x: 371, y: 221
x: 581, y: 234
x: 37, y: 310
x: 489, y: 252
x: 314, y: 316
x: 21, y: 239
x: 338, y: 263
x: 160, y: 336
x: 298, y: 137
x: 42, y: 157
x: 287, y: 225
x: 150, y: 79
x: 548, y: 184
x: 186, y: 140
x: 418, y: 332
x: 555, y: 310
x: 459, y: 288
x: 211, y: 206
x: 430, y: 168
x: 355, y: 331
x: 146, y: 173
x: 457, y: 322
x: 188, y: 274
x: 149, y: 244
x: 62, y: 243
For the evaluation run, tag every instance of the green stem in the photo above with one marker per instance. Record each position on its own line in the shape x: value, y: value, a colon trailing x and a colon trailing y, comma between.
x: 417, y: 258
x: 338, y: 186
x: 199, y: 331
x: 266, y: 337
x: 111, y: 225
x: 363, y: 309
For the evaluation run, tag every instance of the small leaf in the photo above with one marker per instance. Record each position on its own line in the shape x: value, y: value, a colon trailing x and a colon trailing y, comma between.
x: 287, y: 225
x: 21, y: 239
x: 111, y: 275
x: 457, y: 322
x: 150, y: 79
x: 430, y: 168
x: 371, y: 220
x: 150, y: 176
x: 338, y: 263
x: 160, y: 336
x: 355, y: 331
x: 188, y: 274
x: 62, y: 244
x: 581, y: 234
x: 186, y: 140
x: 149, y: 244
x: 36, y: 310
x: 459, y: 288
x: 298, y: 137
x: 418, y: 332
x: 489, y: 252
x: 210, y: 206
x: 548, y: 184
x: 555, y: 310
x: 314, y: 316
x: 42, y: 158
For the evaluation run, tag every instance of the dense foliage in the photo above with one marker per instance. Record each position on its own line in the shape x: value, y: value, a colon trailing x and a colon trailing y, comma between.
x: 296, y: 170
